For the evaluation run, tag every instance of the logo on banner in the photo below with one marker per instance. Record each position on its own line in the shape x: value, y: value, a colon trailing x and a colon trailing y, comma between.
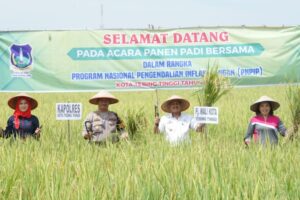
x: 21, y: 60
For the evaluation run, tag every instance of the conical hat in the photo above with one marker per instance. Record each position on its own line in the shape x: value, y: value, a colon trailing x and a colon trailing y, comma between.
x: 185, y: 104
x: 274, y: 104
x: 12, y: 102
x: 103, y: 95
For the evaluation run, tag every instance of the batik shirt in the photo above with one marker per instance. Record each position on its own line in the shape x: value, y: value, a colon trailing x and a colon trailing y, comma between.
x: 27, y: 127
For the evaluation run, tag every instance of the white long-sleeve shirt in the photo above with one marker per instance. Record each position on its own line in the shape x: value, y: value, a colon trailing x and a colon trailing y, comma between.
x: 177, y: 130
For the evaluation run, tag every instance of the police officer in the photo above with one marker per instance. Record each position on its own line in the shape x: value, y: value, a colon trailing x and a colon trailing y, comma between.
x: 103, y: 125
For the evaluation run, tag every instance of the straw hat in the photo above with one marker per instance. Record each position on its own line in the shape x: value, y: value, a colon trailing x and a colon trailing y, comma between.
x: 103, y: 95
x: 274, y: 104
x: 185, y: 104
x: 12, y: 102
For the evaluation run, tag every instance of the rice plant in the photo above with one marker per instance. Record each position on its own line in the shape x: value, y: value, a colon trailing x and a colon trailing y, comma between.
x: 214, y: 87
x: 293, y: 97
x: 148, y: 167
x: 136, y: 121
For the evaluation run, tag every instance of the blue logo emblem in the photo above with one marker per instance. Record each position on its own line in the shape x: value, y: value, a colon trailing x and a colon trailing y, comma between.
x: 20, y: 56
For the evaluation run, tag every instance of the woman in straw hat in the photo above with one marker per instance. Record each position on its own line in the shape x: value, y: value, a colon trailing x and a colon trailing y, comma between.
x: 176, y: 124
x: 22, y: 123
x: 102, y: 125
x: 264, y: 125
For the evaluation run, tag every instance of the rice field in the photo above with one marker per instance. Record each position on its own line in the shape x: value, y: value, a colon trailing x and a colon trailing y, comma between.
x: 65, y: 166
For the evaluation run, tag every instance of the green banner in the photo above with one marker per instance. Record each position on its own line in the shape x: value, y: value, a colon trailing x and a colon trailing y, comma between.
x: 146, y: 59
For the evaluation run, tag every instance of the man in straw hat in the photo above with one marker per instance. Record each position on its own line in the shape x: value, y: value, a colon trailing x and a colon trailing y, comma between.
x: 102, y: 125
x: 264, y: 125
x: 176, y: 124
x: 22, y: 123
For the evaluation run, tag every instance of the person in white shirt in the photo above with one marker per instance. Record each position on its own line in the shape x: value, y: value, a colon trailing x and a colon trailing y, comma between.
x: 176, y: 125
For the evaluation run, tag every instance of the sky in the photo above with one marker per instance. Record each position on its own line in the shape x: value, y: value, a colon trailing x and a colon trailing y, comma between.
x: 131, y: 14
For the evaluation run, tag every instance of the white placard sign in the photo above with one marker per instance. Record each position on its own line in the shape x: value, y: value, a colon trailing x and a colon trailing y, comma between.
x: 206, y: 115
x: 68, y: 111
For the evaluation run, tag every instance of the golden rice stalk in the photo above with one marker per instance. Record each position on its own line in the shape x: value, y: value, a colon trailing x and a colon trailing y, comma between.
x: 214, y: 87
x: 135, y: 121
